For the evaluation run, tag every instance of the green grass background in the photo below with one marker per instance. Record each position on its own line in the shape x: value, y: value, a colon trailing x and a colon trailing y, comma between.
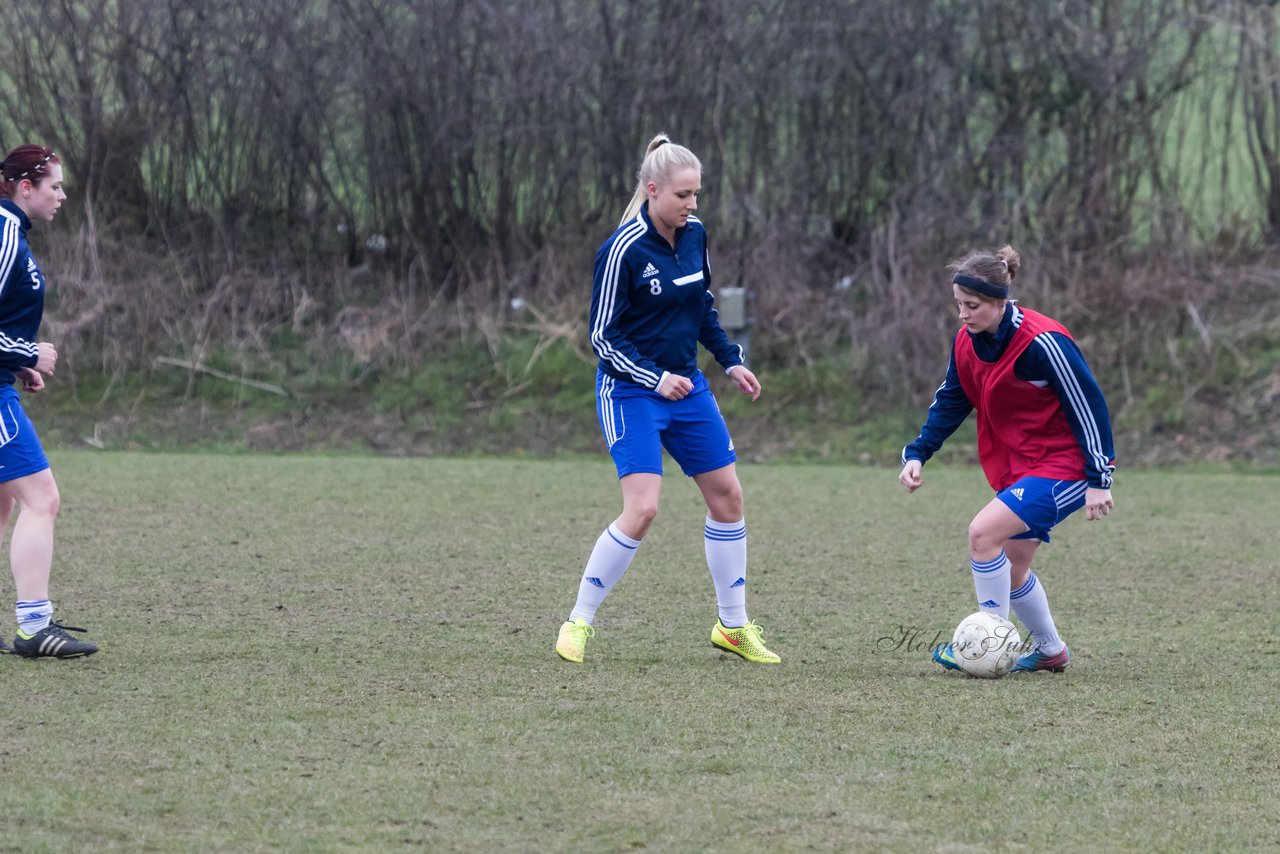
x: 328, y: 653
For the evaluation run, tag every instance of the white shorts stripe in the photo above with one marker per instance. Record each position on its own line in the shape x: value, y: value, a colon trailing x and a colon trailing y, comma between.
x: 1071, y: 494
x: 606, y: 411
x: 5, y: 436
x: 609, y: 416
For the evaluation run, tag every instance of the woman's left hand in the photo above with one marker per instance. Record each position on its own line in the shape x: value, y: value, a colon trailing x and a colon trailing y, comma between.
x: 1097, y: 503
x: 31, y: 379
x: 746, y: 380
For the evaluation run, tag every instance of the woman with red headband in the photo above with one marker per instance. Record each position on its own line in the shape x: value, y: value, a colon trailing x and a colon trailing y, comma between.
x: 1044, y: 441
x: 30, y: 189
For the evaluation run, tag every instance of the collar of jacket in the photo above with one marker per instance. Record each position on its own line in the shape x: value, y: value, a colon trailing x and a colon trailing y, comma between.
x: 644, y: 212
x: 12, y: 206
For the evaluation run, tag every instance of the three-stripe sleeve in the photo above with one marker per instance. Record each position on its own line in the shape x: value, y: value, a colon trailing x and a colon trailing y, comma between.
x: 10, y: 240
x: 1082, y: 402
x: 14, y: 352
x: 608, y: 302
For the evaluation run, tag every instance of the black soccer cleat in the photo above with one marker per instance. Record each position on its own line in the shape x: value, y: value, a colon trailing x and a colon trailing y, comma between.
x: 53, y: 642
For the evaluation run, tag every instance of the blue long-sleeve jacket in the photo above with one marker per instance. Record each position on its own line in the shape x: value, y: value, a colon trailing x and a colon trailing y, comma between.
x: 651, y: 304
x: 1083, y: 411
x: 21, y: 294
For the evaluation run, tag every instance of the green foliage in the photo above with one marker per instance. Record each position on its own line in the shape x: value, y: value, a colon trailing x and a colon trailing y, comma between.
x: 319, y: 653
x: 1175, y: 399
x: 360, y: 241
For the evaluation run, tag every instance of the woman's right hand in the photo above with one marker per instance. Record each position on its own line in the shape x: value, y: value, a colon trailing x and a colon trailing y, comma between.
x: 46, y: 358
x: 30, y: 378
x: 910, y: 476
x: 675, y: 387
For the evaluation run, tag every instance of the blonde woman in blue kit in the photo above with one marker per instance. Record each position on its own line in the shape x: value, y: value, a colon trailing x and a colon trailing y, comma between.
x: 651, y: 306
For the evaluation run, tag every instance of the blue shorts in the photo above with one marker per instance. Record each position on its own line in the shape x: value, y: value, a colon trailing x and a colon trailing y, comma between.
x: 638, y: 423
x: 1042, y: 502
x: 20, y: 451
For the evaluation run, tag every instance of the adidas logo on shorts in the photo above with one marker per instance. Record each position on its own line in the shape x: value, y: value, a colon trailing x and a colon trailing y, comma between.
x: 1017, y: 493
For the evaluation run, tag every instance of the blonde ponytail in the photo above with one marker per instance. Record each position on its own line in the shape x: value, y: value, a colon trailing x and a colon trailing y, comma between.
x: 662, y: 158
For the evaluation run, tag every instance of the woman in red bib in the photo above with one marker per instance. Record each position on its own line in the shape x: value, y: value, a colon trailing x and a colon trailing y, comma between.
x: 1044, y: 441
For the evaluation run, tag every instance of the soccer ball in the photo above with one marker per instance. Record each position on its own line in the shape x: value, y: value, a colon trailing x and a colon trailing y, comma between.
x: 986, y: 645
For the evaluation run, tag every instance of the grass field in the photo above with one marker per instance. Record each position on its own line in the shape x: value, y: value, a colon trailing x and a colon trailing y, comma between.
x: 342, y: 653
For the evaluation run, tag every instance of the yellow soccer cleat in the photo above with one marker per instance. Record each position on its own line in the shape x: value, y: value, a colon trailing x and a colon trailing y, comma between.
x: 747, y: 642
x: 572, y: 642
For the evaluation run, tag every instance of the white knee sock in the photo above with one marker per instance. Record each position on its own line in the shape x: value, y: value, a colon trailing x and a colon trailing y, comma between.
x: 726, y: 547
x: 609, y: 559
x: 1032, y: 607
x: 991, y: 583
x: 33, y: 615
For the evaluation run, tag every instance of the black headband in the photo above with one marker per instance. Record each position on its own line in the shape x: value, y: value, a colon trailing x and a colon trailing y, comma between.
x: 982, y: 286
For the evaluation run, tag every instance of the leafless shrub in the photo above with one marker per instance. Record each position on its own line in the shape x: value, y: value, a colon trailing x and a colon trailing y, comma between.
x: 382, y: 178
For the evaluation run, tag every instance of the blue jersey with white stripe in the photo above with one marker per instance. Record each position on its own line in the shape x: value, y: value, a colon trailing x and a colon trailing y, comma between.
x: 21, y: 294
x: 1052, y: 360
x: 651, y: 304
